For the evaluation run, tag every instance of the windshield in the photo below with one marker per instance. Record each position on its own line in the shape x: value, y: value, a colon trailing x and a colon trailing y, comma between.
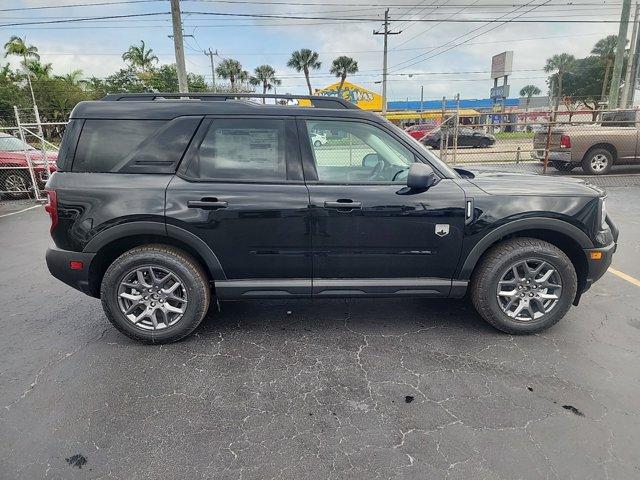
x: 13, y: 144
x: 427, y: 153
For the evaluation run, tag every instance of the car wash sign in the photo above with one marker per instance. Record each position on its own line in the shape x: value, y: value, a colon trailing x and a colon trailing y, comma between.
x: 363, y: 98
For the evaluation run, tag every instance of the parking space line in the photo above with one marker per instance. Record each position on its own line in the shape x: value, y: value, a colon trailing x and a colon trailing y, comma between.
x: 20, y: 211
x: 624, y: 276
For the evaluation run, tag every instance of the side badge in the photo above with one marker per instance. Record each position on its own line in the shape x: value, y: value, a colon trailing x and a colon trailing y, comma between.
x: 442, y: 229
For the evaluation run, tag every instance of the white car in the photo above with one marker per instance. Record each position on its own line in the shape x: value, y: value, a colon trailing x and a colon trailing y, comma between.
x: 318, y: 139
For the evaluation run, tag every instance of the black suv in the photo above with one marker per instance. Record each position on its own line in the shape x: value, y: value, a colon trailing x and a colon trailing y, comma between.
x: 161, y: 203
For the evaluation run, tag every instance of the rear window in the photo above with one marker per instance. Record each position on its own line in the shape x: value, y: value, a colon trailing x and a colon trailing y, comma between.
x: 243, y: 150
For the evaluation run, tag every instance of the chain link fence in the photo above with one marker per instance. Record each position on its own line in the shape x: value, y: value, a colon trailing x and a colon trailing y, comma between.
x: 28, y: 152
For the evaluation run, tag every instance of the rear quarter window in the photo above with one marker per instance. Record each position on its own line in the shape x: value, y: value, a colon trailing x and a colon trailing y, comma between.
x: 133, y: 146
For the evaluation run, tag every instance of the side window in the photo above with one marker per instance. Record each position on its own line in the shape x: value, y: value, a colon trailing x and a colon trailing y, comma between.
x: 242, y: 149
x: 354, y: 152
x: 104, y: 144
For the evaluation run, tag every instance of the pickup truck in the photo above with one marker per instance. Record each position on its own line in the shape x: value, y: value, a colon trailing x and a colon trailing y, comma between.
x: 595, y: 147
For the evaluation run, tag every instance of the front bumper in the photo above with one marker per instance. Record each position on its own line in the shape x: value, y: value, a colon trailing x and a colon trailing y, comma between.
x: 596, y: 267
x: 59, y: 264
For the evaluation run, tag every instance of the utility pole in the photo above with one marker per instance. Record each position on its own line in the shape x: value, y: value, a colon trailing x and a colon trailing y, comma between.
x: 386, y: 33
x: 421, y: 103
x: 629, y: 77
x: 634, y: 60
x: 210, y: 54
x: 617, y: 64
x: 178, y: 45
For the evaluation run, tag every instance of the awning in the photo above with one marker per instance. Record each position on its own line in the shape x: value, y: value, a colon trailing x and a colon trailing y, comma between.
x: 415, y: 115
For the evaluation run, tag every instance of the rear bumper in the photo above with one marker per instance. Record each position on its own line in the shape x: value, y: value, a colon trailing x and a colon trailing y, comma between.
x: 564, y: 156
x: 58, y: 262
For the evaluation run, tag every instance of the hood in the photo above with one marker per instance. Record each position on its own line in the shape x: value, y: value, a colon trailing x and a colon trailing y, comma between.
x: 508, y: 183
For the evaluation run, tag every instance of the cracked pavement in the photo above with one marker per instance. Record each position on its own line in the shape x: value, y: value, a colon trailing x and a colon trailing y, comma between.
x: 358, y: 389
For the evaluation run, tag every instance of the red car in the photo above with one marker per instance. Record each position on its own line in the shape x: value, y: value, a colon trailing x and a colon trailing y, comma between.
x: 15, y: 179
x: 420, y: 130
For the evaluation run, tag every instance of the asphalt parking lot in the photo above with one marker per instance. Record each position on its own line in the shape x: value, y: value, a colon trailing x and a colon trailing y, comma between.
x: 359, y: 389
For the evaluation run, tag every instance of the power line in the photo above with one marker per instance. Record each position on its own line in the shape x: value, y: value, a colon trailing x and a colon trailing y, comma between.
x: 84, y: 19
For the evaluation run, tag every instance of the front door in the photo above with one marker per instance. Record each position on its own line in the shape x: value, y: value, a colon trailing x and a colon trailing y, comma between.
x: 241, y: 191
x: 371, y: 234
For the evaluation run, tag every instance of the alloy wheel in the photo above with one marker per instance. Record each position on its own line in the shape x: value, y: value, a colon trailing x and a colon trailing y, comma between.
x: 15, y: 183
x: 529, y: 289
x: 599, y: 162
x: 152, y: 297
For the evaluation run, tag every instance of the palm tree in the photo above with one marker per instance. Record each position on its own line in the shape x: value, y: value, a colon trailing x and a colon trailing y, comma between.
x: 342, y: 66
x: 39, y: 70
x: 265, y: 75
x: 560, y: 64
x: 528, y: 91
x: 16, y: 46
x: 231, y: 70
x: 304, y: 60
x: 73, y: 78
x: 605, y: 48
x: 140, y: 56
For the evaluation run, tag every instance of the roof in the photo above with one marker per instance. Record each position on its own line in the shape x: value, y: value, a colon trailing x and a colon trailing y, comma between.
x: 126, y: 109
x: 483, y: 103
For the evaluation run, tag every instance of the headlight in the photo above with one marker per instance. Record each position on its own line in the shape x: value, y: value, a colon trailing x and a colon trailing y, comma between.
x: 603, y: 215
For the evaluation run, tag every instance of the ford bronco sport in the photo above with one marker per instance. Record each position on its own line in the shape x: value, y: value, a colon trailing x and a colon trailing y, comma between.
x: 162, y: 204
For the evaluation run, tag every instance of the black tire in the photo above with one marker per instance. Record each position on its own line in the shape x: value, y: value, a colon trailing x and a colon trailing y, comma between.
x: 495, y: 262
x: 317, y: 143
x: 169, y: 258
x: 563, y: 166
x: 592, y: 161
x: 9, y: 182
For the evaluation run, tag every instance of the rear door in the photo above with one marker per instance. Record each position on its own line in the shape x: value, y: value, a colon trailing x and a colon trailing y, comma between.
x: 240, y: 189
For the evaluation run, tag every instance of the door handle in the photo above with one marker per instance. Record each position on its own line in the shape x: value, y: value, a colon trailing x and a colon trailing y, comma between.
x: 207, y: 204
x: 343, y: 204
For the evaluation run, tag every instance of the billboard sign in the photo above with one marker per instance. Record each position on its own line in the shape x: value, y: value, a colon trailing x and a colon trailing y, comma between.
x: 363, y: 98
x: 501, y: 64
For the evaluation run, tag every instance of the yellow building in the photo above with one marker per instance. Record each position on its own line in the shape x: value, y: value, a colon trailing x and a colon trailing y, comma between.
x: 363, y: 98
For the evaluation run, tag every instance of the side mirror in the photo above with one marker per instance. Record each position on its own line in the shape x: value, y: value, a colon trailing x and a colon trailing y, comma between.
x: 421, y: 176
x: 370, y: 160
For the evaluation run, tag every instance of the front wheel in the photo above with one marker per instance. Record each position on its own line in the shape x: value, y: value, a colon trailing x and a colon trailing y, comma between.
x: 523, y: 285
x: 155, y: 294
x: 317, y: 143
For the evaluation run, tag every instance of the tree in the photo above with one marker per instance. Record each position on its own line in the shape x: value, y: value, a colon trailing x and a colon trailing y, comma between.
x: 16, y: 46
x: 264, y: 75
x: 232, y: 70
x: 165, y: 79
x: 140, y: 57
x: 528, y: 91
x: 73, y: 78
x: 605, y: 49
x: 561, y: 64
x: 342, y: 66
x: 585, y: 82
x: 305, y: 60
x: 39, y: 70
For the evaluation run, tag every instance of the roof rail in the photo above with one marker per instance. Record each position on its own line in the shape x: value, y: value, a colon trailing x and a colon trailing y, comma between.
x: 315, y: 100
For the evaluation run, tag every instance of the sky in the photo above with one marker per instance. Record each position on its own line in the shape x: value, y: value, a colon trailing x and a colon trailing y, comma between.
x: 444, y: 57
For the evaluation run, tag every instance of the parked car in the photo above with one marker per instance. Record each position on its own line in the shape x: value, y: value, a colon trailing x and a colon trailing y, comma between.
x: 466, y: 138
x: 318, y: 139
x: 15, y: 178
x: 420, y: 130
x: 594, y: 147
x: 161, y: 207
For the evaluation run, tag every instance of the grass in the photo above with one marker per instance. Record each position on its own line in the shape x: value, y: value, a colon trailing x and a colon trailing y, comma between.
x: 513, y: 135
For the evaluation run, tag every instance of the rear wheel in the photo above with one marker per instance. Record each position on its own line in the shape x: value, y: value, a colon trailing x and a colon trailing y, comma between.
x: 597, y: 161
x: 523, y: 285
x: 155, y: 294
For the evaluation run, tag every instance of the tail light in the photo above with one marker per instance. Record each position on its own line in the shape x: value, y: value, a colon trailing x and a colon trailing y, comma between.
x: 51, y: 208
x: 565, y: 141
